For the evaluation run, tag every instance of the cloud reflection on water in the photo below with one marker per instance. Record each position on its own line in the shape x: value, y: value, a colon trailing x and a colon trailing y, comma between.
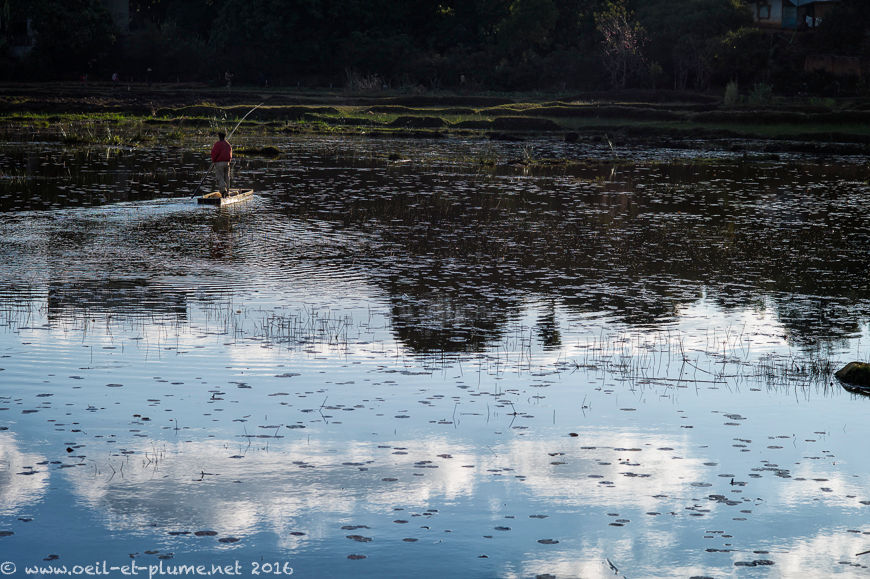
x: 18, y: 492
x: 221, y: 485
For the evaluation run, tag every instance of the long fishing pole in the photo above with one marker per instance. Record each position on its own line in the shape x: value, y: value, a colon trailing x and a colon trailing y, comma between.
x: 207, y: 171
x: 242, y: 119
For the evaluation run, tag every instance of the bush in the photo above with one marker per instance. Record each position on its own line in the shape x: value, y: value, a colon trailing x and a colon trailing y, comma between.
x: 732, y: 94
x: 761, y: 94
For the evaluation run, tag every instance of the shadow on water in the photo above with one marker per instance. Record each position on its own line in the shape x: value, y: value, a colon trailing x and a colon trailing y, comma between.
x: 639, y: 245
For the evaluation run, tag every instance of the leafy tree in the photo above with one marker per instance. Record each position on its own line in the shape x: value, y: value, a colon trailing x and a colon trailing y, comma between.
x: 575, y: 23
x: 844, y: 29
x: 5, y: 25
x: 746, y: 56
x: 504, y: 44
x: 465, y: 37
x: 684, y: 35
x: 73, y: 37
x: 275, y: 37
x: 170, y: 51
x: 622, y: 42
x: 470, y: 24
x: 143, y: 12
x: 193, y: 16
x: 168, y: 36
x: 529, y: 25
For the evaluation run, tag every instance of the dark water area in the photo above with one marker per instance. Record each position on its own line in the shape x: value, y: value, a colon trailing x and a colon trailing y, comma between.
x: 413, y: 357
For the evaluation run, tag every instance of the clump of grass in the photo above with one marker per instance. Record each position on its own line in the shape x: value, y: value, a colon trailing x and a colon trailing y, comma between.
x: 306, y: 329
x: 68, y: 136
x: 487, y: 160
x: 99, y: 132
x: 810, y: 368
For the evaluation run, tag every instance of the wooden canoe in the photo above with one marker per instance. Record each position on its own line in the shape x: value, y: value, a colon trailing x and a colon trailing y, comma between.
x: 234, y: 196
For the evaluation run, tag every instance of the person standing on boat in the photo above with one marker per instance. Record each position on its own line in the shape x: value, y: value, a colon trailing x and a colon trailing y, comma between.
x: 221, y: 155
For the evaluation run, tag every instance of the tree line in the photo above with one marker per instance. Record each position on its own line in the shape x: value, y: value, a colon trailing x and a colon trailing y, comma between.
x: 474, y: 45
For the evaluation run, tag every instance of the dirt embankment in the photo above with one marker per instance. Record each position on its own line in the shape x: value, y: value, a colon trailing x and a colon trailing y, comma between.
x: 833, y: 127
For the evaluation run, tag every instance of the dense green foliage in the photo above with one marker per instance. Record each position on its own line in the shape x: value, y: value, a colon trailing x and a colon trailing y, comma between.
x: 431, y: 44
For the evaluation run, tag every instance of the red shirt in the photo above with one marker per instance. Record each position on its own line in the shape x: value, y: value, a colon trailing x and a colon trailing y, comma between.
x: 221, y: 152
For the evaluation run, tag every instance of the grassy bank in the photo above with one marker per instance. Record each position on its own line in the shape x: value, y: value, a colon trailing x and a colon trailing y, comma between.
x: 129, y: 115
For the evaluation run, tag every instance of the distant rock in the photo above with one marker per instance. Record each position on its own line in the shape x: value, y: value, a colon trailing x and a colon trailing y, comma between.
x: 855, y: 374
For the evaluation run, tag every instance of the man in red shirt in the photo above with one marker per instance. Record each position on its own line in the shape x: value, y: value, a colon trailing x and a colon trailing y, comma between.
x: 221, y: 155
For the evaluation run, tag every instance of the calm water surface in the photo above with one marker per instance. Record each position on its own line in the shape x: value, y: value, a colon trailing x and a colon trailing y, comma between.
x: 421, y: 358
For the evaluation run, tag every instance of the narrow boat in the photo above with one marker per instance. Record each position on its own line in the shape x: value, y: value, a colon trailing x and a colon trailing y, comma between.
x: 234, y: 196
